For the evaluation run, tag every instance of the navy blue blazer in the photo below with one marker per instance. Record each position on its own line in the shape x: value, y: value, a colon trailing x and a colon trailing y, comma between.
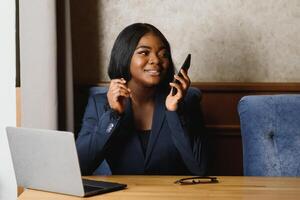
x: 177, y: 145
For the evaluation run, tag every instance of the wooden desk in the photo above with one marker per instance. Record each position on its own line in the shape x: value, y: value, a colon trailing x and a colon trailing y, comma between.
x: 163, y: 187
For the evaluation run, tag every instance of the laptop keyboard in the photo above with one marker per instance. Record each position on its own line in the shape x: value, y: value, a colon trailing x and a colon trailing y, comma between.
x: 88, y: 188
x: 92, y: 183
x: 92, y: 187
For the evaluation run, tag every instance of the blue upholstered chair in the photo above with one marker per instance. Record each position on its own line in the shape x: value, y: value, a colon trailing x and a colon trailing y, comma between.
x: 270, y: 127
x: 103, y: 168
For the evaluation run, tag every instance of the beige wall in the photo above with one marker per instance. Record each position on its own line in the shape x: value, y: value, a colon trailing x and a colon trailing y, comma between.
x: 8, y: 185
x: 38, y: 64
x: 230, y: 40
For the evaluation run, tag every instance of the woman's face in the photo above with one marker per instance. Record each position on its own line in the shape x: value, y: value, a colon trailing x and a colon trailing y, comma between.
x: 149, y: 63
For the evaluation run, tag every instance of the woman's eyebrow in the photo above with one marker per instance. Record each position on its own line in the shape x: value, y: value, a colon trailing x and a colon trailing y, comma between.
x: 147, y: 47
x: 143, y: 47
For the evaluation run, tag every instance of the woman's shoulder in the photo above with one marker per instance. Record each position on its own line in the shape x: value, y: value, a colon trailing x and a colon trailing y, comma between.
x: 98, y: 90
x: 193, y: 93
x: 98, y: 94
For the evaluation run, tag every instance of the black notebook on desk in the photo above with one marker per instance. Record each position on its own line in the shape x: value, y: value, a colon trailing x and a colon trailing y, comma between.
x: 47, y: 160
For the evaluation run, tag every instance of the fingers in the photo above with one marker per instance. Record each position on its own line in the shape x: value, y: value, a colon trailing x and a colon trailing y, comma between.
x: 185, y: 76
x: 119, y: 80
x: 172, y: 100
x: 121, y: 92
x: 118, y: 87
x: 184, y: 79
x: 179, y: 89
x: 117, y: 93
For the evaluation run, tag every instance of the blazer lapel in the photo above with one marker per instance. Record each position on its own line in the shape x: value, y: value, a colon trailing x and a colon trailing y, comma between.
x: 128, y: 116
x: 128, y: 129
x: 157, y: 121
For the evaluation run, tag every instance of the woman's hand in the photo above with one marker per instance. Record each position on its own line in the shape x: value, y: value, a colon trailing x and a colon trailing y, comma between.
x: 117, y: 94
x: 182, y: 87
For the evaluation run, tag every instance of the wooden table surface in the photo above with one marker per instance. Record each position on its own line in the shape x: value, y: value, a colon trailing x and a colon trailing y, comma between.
x: 163, y: 187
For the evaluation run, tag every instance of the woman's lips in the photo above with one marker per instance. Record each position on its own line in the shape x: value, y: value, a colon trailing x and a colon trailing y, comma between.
x: 152, y: 72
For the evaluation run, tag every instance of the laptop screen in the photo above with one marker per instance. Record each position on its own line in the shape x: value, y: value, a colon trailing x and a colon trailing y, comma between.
x: 45, y: 160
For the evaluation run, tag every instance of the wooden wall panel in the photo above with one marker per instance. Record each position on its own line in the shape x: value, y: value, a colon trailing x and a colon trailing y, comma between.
x: 220, y: 100
x: 219, y: 105
x: 18, y: 106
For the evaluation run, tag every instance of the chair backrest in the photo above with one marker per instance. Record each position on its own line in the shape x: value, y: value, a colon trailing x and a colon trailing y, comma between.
x: 270, y: 128
x: 103, y: 168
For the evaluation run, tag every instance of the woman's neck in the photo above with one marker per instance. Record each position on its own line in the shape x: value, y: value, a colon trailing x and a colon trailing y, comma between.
x: 140, y: 94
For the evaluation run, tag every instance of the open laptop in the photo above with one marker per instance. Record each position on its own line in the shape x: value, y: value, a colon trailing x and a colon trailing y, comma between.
x: 47, y: 160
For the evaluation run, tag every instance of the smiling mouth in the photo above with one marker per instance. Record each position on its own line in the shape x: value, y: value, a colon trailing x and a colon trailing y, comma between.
x: 152, y: 72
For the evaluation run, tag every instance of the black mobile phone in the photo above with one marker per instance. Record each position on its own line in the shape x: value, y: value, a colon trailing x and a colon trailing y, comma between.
x: 185, y: 66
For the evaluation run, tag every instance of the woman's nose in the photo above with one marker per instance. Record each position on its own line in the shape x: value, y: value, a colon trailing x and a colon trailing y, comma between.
x: 154, y: 59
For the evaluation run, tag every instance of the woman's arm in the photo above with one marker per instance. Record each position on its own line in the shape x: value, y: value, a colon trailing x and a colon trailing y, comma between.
x: 99, y: 124
x: 187, y: 132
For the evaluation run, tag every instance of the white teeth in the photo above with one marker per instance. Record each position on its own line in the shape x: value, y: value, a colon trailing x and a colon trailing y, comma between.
x: 152, y: 72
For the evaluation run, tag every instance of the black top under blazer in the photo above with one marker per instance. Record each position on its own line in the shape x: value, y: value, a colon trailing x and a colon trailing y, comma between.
x: 177, y: 145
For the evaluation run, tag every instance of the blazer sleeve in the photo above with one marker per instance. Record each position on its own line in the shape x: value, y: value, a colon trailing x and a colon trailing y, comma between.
x: 98, y: 125
x: 186, y: 126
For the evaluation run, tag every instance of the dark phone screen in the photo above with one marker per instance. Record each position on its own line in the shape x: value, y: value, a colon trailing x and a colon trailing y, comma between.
x: 185, y: 66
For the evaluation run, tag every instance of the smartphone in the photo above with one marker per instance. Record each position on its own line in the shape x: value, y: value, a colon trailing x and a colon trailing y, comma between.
x: 185, y: 67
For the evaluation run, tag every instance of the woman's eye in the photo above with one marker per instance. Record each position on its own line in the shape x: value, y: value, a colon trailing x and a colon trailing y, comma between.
x: 164, y: 54
x: 145, y: 53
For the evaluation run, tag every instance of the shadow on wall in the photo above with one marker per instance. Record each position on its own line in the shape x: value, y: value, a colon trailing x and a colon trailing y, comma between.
x: 86, y: 53
x: 85, y: 41
x: 230, y: 53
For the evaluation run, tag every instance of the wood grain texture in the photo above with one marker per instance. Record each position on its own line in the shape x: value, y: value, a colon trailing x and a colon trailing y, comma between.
x: 163, y: 187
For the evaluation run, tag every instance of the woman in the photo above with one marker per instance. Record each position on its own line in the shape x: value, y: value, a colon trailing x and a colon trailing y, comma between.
x: 138, y: 126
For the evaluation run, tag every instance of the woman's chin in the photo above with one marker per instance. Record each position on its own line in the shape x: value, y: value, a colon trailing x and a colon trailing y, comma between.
x: 152, y: 83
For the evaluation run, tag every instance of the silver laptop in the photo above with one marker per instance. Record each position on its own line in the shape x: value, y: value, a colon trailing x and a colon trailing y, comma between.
x: 47, y: 160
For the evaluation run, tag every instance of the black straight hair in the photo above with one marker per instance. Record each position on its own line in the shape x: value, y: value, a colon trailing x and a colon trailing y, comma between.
x: 124, y: 47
